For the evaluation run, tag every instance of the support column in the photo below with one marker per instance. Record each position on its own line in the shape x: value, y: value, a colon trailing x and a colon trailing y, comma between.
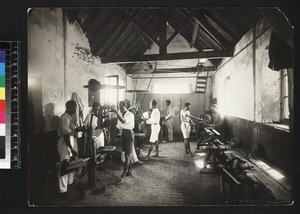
x: 255, y: 129
x: 290, y: 72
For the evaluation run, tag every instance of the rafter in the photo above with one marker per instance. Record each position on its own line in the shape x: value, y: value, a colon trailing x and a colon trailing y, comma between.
x: 210, y: 30
x: 200, y: 44
x: 142, y: 28
x: 195, y: 32
x: 163, y: 32
x: 174, y: 56
x: 122, y: 33
x: 243, y: 19
x: 178, y: 30
x: 96, y: 27
x: 224, y: 23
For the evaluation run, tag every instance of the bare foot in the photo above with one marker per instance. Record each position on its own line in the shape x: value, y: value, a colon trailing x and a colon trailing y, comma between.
x: 121, y: 181
x: 146, y: 158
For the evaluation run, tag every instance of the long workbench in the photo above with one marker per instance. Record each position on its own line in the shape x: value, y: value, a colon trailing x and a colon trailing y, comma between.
x: 268, y: 184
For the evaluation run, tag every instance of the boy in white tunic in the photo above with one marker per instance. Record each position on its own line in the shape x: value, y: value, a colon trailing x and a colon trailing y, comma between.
x: 155, y: 128
x: 65, y: 143
x: 186, y: 127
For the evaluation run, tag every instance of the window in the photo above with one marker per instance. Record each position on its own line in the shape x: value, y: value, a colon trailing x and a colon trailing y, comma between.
x: 285, y: 113
x: 113, y: 95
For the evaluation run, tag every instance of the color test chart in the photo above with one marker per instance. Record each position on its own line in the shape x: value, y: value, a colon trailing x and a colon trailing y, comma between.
x: 2, y: 105
x: 10, y: 157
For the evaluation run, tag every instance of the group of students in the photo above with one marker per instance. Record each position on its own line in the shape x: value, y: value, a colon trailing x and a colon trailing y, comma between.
x: 125, y: 124
x: 66, y: 132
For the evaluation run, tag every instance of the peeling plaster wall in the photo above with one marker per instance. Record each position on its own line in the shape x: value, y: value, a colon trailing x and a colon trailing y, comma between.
x: 237, y: 99
x: 240, y: 85
x: 45, y: 61
x: 246, y: 113
x: 59, y: 55
x: 81, y: 66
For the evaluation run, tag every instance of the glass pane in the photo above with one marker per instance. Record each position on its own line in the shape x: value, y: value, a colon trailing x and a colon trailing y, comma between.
x: 113, y: 81
x: 111, y: 96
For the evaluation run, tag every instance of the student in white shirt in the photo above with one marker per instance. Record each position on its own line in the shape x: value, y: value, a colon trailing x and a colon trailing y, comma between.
x: 155, y: 128
x: 186, y: 127
x: 65, y: 144
x: 134, y: 158
x: 125, y: 125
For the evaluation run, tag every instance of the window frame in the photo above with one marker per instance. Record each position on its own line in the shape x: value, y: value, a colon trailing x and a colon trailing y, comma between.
x: 284, y: 95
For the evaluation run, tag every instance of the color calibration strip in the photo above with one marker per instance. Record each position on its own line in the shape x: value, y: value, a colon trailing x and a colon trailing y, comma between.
x: 10, y: 136
x: 2, y: 105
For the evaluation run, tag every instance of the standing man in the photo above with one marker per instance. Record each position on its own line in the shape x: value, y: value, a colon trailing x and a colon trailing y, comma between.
x: 125, y: 125
x: 169, y: 120
x: 186, y: 127
x: 91, y: 121
x: 134, y: 158
x: 155, y: 128
x: 65, y: 144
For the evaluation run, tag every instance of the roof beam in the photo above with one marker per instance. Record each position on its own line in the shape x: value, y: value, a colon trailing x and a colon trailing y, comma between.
x: 174, y: 56
x: 200, y: 44
x: 142, y: 28
x: 221, y: 25
x: 243, y: 19
x: 210, y: 30
x: 98, y: 25
x: 186, y: 70
x: 121, y: 35
x: 220, y: 20
x: 195, y: 32
x: 163, y: 32
x: 178, y: 30
x: 174, y: 70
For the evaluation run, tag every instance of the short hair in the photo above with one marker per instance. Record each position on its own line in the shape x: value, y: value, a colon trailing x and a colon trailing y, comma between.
x: 96, y: 104
x: 187, y: 104
x: 214, y: 106
x: 127, y: 103
x: 123, y: 103
x: 168, y: 101
x: 153, y: 102
x: 70, y: 103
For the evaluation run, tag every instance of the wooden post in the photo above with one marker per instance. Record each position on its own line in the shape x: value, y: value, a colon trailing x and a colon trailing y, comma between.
x: 290, y: 72
x: 91, y: 163
x: 163, y: 33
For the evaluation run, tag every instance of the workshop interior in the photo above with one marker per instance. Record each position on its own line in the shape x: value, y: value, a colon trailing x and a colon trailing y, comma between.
x: 197, y: 102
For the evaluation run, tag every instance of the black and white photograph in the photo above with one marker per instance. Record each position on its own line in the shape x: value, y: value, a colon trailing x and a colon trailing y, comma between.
x: 146, y: 106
